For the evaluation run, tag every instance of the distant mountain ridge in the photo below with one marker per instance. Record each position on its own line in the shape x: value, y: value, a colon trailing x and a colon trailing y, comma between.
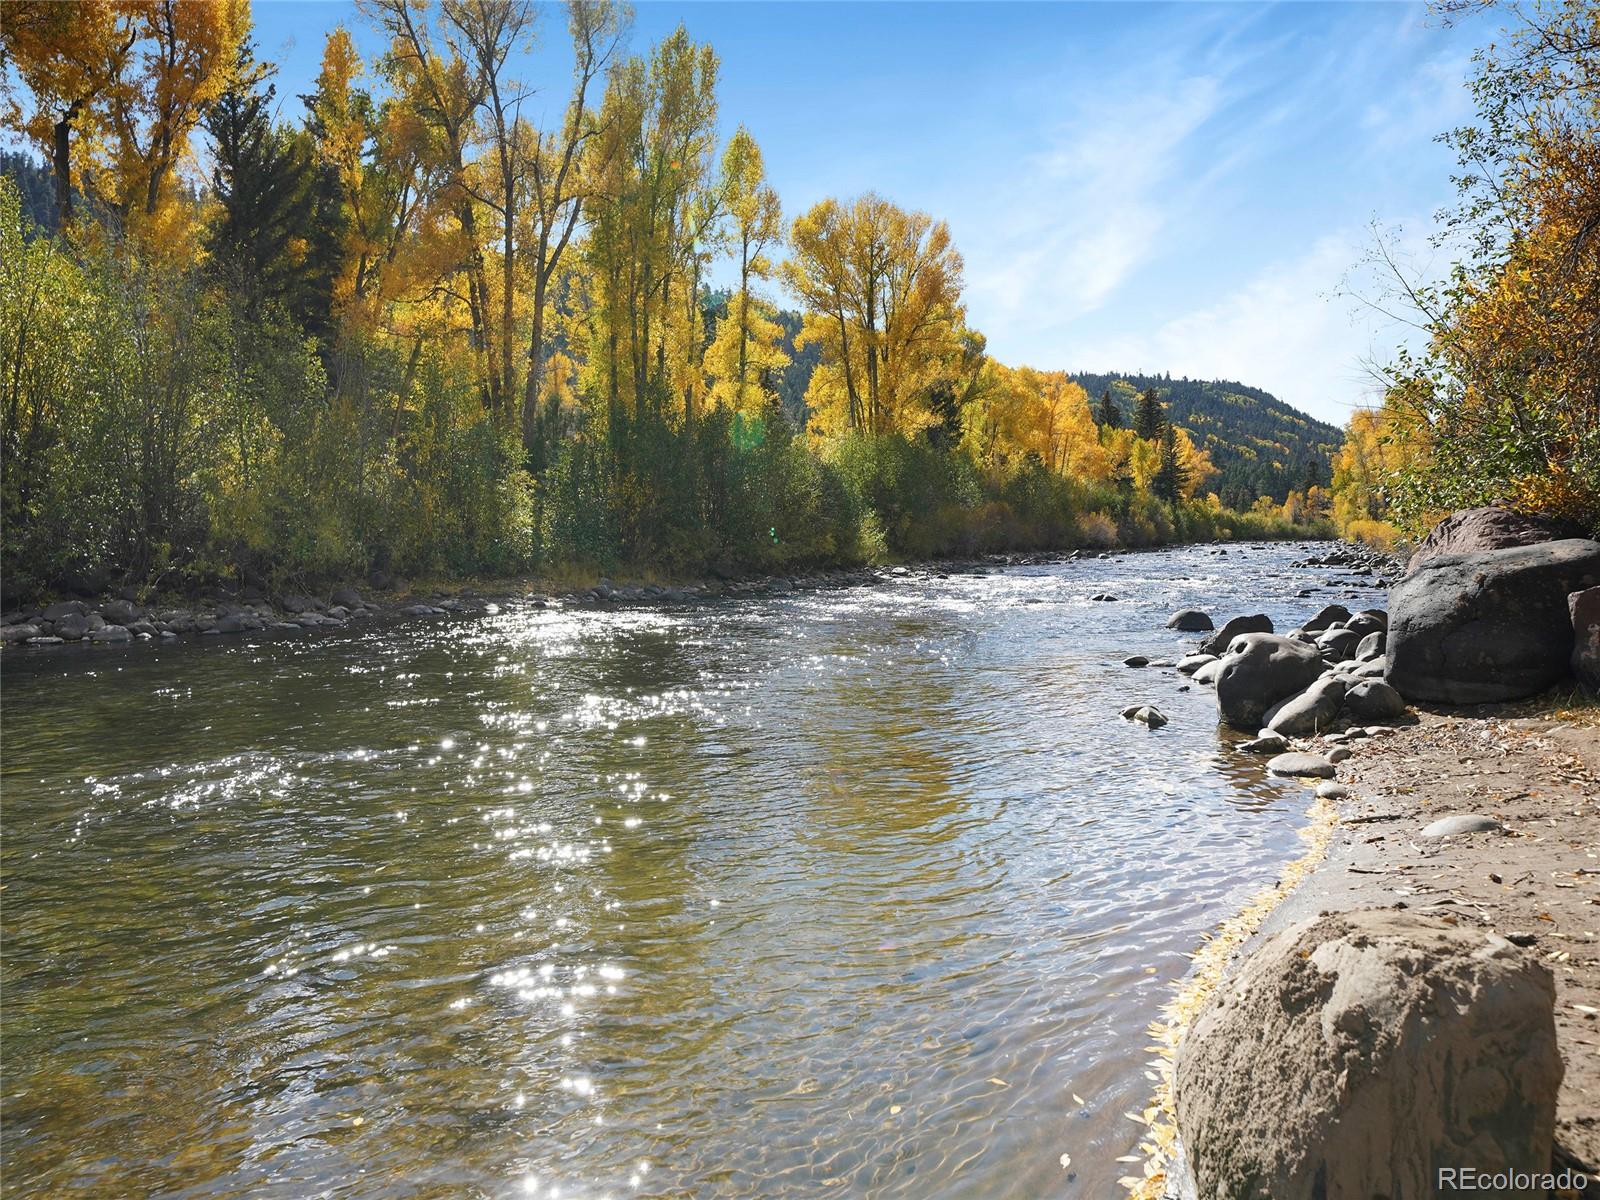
x: 1260, y: 445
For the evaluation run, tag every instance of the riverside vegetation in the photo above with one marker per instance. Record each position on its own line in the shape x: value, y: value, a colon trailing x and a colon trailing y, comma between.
x: 1501, y: 402
x: 415, y: 332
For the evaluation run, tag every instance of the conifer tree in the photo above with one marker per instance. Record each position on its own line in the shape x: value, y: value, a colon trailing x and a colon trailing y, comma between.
x: 1150, y: 417
x: 1108, y: 415
x: 1172, y: 474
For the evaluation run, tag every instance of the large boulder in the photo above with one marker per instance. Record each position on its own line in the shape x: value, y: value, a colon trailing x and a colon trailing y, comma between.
x: 1474, y: 530
x: 1219, y: 641
x: 1261, y: 670
x: 1312, y: 711
x: 1585, y: 609
x: 1356, y: 1054
x: 1189, y: 620
x: 1474, y: 628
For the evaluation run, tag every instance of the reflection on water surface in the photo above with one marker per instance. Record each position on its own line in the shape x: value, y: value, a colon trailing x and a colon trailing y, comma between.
x: 846, y: 893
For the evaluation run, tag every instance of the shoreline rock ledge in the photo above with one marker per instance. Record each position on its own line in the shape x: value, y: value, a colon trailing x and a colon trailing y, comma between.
x: 1356, y: 1054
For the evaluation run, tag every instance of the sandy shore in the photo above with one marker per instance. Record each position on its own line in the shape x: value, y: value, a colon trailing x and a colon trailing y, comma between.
x: 1535, y: 882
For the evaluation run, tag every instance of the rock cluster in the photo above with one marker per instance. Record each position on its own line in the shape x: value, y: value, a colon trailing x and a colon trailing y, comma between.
x: 123, y: 620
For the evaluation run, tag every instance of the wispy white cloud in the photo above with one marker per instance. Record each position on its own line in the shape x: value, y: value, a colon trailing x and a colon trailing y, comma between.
x: 1296, y: 328
x: 1088, y: 208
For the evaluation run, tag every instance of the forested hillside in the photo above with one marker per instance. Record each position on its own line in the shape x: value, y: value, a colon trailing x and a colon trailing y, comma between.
x: 1260, y: 445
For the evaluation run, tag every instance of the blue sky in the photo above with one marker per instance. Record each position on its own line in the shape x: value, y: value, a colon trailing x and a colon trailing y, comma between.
x: 1160, y: 187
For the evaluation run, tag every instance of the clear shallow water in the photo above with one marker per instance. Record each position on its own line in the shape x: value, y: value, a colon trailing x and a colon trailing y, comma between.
x: 838, y: 894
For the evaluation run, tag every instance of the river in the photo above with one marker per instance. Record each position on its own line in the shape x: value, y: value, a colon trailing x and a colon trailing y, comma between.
x: 857, y: 893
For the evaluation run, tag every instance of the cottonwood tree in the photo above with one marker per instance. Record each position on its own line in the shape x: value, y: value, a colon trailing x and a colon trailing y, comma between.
x: 884, y: 289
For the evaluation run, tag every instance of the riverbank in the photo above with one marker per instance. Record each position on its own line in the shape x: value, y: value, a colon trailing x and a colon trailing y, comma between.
x: 1532, y: 876
x: 128, y: 617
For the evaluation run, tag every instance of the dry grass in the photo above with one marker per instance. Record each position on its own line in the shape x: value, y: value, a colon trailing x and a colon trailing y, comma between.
x: 1210, y: 963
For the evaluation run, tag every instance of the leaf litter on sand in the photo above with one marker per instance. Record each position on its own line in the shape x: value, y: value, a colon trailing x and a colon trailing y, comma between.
x: 1210, y: 962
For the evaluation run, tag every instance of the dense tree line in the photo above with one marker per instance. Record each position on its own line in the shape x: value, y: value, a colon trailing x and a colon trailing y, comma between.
x: 1502, y: 403
x: 419, y: 331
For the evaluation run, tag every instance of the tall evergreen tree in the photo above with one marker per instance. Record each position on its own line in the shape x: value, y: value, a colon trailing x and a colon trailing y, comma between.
x: 277, y: 235
x: 1171, y: 475
x: 1150, y: 417
x: 1108, y: 414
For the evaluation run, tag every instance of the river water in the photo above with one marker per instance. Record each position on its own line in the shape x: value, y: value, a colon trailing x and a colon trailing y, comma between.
x: 857, y: 893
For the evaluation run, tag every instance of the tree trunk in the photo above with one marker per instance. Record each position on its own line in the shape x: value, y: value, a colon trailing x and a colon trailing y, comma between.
x: 63, y: 163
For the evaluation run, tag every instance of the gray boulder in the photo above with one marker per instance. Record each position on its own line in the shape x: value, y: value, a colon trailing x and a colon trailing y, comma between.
x: 294, y: 602
x: 71, y: 627
x: 1219, y: 642
x: 1374, y: 700
x: 1261, y: 670
x: 1474, y: 530
x: 1190, y: 620
x: 65, y: 608
x: 1332, y: 614
x: 1371, y: 620
x: 1474, y: 628
x: 1338, y: 644
x: 19, y: 633
x: 1371, y: 646
x: 121, y: 612
x: 1207, y: 673
x: 1267, y: 743
x: 1312, y: 711
x: 111, y: 633
x: 1312, y: 766
x: 1190, y: 663
x: 1355, y: 1054
x: 1584, y: 608
x: 348, y: 597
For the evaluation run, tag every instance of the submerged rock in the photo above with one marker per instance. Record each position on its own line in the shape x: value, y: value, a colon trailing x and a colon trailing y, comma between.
x: 1353, y: 1055
x: 1136, y: 660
